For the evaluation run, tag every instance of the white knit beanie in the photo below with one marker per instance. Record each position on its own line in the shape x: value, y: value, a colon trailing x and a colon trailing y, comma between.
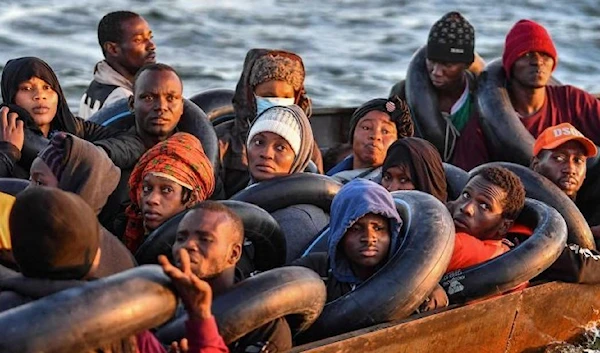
x: 281, y: 121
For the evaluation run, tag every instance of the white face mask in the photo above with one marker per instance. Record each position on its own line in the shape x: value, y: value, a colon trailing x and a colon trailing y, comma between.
x: 262, y: 103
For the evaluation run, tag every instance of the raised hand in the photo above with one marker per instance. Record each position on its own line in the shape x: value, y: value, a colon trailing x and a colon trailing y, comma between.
x: 11, y: 128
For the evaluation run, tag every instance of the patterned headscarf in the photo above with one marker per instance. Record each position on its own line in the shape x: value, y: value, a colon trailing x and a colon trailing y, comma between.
x: 179, y: 158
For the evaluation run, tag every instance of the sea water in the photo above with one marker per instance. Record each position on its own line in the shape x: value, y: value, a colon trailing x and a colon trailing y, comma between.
x: 354, y: 50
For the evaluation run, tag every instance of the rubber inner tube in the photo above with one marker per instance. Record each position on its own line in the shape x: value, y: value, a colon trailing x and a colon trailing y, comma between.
x: 456, y: 179
x: 193, y: 121
x: 421, y: 97
x: 300, y: 188
x: 295, y: 292
x: 404, y: 282
x: 216, y: 102
x: 13, y: 186
x: 89, y: 316
x: 32, y: 145
x: 264, y: 245
x: 539, y: 188
x: 517, y: 266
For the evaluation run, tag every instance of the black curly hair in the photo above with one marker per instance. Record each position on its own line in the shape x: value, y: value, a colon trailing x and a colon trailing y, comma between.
x: 509, y: 182
x: 109, y: 28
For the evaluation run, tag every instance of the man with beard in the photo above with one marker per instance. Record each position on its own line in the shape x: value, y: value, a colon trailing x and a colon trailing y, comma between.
x: 213, y: 235
x: 529, y: 59
x: 126, y: 42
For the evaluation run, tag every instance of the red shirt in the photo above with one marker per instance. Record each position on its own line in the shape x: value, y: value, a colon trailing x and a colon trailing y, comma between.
x: 470, y: 251
x: 470, y: 149
x: 567, y: 104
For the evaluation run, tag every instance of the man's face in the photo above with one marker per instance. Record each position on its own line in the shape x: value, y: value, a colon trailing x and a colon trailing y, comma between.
x: 136, y: 48
x: 565, y: 166
x: 478, y: 210
x: 374, y: 133
x: 444, y: 74
x: 533, y: 70
x: 157, y: 103
x: 208, y: 237
x: 367, y: 242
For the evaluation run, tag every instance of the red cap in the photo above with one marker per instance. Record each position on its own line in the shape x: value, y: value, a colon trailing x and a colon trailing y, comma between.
x: 526, y: 36
x: 555, y: 136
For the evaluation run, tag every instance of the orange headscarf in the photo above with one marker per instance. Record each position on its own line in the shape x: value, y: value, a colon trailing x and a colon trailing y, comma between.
x: 182, y: 158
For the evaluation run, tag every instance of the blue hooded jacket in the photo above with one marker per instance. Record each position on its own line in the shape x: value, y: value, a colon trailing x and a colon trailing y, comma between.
x: 356, y: 199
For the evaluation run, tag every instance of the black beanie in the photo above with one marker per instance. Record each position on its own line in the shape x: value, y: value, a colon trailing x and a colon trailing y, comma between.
x: 395, y: 107
x: 451, y: 39
x: 54, y: 234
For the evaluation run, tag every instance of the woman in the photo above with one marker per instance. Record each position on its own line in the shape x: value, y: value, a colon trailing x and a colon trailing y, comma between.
x: 269, y: 77
x: 412, y: 163
x: 374, y: 126
x: 170, y: 177
x: 280, y: 143
x: 31, y: 89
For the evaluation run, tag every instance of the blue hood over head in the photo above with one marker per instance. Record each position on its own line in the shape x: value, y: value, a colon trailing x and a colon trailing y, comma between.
x: 356, y: 199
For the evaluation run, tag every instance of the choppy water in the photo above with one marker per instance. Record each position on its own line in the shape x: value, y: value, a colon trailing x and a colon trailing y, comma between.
x: 354, y: 50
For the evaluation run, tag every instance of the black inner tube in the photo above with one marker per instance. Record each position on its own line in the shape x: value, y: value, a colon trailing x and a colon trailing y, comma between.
x: 517, y: 266
x: 456, y: 180
x: 13, y: 186
x: 215, y: 102
x: 295, y: 292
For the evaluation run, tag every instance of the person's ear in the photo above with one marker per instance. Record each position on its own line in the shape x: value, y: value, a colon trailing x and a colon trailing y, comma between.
x: 535, y: 162
x: 505, y: 226
x: 235, y: 253
x: 111, y: 48
x: 130, y: 102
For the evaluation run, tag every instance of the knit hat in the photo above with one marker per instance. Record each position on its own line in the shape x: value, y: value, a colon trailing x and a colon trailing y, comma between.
x: 54, y: 234
x: 395, y: 107
x: 277, y: 68
x: 526, y: 36
x: 281, y: 121
x: 555, y: 136
x: 451, y: 39
x: 55, y: 154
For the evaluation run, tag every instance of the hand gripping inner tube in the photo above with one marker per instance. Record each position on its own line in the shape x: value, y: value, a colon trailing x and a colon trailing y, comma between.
x: 300, y: 188
x: 295, y: 292
x: 402, y: 284
x: 456, y: 179
x: 215, y: 102
x: 264, y: 246
x: 422, y: 100
x: 13, y: 186
x: 517, y: 266
x: 87, y: 317
x: 193, y: 121
x: 539, y: 188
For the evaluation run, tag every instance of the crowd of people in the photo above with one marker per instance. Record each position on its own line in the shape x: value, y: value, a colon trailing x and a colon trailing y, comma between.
x: 96, y: 192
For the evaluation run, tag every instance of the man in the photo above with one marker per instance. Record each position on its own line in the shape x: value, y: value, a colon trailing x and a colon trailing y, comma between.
x: 213, y: 235
x: 560, y: 153
x: 126, y: 42
x: 528, y: 60
x: 451, y: 66
x: 65, y: 228
x: 483, y: 215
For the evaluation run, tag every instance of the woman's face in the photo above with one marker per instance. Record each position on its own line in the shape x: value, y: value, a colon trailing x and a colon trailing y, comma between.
x: 38, y: 99
x: 269, y: 156
x: 374, y: 133
x: 397, y: 178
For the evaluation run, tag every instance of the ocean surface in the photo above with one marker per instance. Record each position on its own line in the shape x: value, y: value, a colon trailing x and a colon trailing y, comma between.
x: 354, y: 50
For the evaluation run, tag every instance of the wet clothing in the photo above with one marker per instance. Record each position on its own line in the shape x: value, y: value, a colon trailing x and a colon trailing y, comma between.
x: 233, y: 135
x: 424, y: 165
x: 181, y: 159
x: 123, y: 148
x: 107, y: 87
